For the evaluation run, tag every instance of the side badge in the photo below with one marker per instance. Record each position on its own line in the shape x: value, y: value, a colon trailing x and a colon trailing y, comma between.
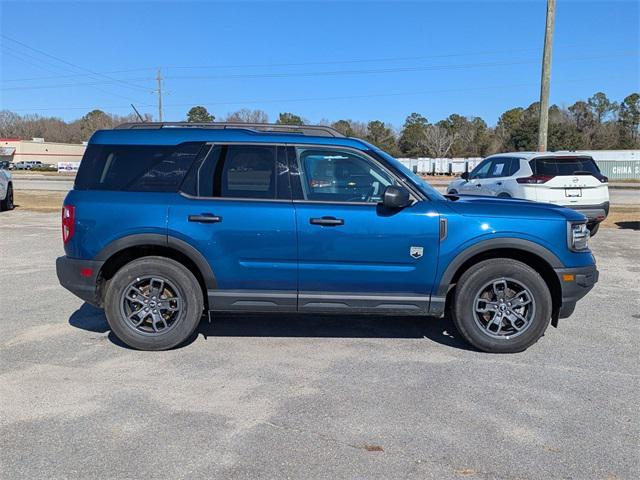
x: 416, y: 252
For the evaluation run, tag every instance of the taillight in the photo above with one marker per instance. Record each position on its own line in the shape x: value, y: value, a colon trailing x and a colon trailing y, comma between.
x: 535, y: 179
x: 68, y: 222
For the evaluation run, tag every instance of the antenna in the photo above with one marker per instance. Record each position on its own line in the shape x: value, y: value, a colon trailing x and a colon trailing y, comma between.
x: 137, y: 113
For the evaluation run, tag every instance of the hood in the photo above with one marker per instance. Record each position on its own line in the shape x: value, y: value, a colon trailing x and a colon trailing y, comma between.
x: 480, y: 206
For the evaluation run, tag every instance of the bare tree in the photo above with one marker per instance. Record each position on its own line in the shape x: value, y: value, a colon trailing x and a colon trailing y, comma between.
x: 248, y: 116
x: 438, y: 141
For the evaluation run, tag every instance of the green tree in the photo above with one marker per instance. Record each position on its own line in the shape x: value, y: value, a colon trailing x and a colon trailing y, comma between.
x: 601, y: 106
x: 382, y: 137
x: 287, y: 118
x: 583, y: 116
x: 412, y: 137
x: 629, y: 119
x: 199, y: 114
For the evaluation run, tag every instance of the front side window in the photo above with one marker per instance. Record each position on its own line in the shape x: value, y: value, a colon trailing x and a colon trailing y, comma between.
x: 482, y: 170
x: 333, y: 175
x: 240, y: 171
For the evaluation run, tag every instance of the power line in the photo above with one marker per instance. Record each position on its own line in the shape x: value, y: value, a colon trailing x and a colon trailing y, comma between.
x: 340, y: 97
x: 123, y: 82
x: 341, y: 72
x: 60, y: 68
x: 289, y: 64
x: 389, y: 70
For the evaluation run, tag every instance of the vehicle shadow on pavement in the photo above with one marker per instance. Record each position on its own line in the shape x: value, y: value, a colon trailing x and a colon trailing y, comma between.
x: 440, y: 330
x: 632, y: 225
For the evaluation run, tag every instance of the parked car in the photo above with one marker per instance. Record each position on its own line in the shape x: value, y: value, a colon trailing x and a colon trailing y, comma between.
x: 169, y: 221
x: 561, y: 178
x: 5, y: 165
x: 6, y: 190
x: 27, y: 165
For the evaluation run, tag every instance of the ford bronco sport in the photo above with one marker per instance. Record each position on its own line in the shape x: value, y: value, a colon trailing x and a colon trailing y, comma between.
x: 171, y: 221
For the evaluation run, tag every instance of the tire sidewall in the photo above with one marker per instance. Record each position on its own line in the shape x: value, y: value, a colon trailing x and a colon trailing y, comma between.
x: 188, y: 289
x: 478, y: 276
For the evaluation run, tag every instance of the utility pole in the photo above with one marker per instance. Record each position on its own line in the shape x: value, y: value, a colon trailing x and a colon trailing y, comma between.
x: 159, y: 79
x: 545, y: 80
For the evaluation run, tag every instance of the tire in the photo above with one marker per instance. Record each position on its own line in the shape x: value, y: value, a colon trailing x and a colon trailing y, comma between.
x: 504, y: 195
x: 179, y: 289
x: 484, y: 277
x: 453, y: 192
x: 7, y: 203
x: 593, y: 228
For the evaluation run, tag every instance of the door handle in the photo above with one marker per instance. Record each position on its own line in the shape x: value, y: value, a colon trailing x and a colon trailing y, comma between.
x: 326, y: 221
x: 499, y: 183
x: 205, y: 218
x: 478, y: 185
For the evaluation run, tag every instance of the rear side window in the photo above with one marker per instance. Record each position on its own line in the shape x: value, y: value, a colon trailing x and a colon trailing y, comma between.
x: 241, y: 171
x: 565, y: 166
x: 136, y: 168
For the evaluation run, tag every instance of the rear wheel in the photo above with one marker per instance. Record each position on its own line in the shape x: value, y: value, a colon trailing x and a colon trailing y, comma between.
x: 7, y: 203
x: 153, y: 303
x: 593, y: 228
x: 504, y: 195
x: 501, y: 306
x: 453, y: 192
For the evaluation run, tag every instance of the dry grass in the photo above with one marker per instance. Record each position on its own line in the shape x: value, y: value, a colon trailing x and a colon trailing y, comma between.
x: 39, y: 200
x: 627, y: 216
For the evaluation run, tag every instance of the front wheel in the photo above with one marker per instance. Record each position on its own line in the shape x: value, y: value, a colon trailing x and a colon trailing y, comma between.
x: 502, y: 306
x: 153, y: 303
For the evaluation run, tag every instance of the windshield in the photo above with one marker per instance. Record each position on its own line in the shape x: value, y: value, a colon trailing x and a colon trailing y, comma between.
x: 424, y: 187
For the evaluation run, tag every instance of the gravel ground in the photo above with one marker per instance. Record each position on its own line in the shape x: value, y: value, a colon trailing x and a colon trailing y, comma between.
x: 311, y: 397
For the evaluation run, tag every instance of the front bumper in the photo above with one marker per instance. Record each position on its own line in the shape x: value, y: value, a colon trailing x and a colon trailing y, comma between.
x: 594, y: 213
x: 80, y: 277
x: 575, y: 283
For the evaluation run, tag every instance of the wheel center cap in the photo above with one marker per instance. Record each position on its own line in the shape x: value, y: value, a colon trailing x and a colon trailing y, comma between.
x: 152, y: 304
x: 503, y: 307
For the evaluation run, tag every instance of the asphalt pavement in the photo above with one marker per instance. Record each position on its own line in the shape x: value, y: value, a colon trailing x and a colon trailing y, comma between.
x: 288, y: 396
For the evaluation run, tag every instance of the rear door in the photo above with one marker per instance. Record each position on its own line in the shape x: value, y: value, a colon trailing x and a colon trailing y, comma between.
x: 354, y: 254
x: 236, y: 209
x: 572, y: 181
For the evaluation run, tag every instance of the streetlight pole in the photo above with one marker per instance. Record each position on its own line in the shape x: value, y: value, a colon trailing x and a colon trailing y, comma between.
x: 545, y: 80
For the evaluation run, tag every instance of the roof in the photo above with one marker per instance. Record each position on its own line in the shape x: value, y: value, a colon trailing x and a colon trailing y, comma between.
x: 532, y: 155
x: 177, y: 135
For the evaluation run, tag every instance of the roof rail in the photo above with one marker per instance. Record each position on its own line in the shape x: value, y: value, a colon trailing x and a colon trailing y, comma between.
x: 312, y: 130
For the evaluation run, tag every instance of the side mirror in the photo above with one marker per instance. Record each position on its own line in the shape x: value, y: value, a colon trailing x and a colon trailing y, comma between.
x: 465, y: 176
x: 395, y: 197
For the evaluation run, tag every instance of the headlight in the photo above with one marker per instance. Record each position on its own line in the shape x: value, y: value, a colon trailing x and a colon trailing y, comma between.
x: 578, y: 236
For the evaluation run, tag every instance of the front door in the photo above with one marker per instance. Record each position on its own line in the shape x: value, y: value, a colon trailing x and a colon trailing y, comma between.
x: 352, y: 253
x: 236, y: 209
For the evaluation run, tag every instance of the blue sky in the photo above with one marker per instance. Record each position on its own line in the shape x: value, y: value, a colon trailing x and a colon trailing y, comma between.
x: 322, y: 60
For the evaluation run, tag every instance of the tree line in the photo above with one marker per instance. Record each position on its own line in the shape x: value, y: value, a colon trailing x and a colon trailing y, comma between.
x: 596, y: 123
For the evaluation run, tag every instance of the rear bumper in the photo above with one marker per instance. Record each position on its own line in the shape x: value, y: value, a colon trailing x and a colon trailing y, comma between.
x: 594, y: 213
x: 80, y: 277
x: 575, y: 283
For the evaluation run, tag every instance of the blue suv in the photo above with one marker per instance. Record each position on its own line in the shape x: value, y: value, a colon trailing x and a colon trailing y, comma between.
x: 170, y: 221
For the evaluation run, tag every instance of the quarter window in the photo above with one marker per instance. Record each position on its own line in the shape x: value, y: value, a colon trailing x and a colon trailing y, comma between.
x: 341, y: 176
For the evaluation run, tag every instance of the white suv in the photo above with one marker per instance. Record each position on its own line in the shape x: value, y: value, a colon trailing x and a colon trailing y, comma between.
x: 564, y: 178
